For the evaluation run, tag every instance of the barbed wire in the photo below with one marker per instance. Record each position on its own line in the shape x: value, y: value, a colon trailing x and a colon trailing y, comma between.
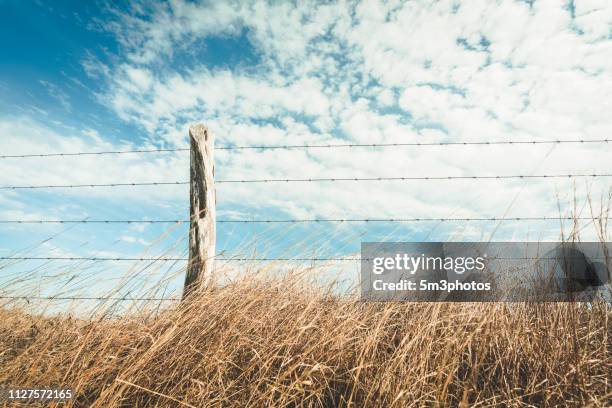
x: 315, y: 146
x: 161, y: 183
x: 78, y: 258
x: 73, y: 258
x: 94, y: 221
x: 314, y: 179
x: 272, y: 180
x: 87, y: 298
x: 336, y: 179
x: 21, y: 156
x: 400, y: 144
x: 241, y: 259
x: 298, y: 220
x: 341, y: 220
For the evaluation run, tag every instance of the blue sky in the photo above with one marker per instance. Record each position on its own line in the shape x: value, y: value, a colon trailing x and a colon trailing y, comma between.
x: 91, y: 76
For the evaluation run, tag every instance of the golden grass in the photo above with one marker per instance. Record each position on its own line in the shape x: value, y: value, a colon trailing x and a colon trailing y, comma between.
x: 280, y: 342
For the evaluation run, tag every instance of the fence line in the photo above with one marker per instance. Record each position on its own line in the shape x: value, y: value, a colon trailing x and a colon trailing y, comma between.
x: 203, y: 208
x: 306, y: 220
x: 312, y: 180
x: 317, y: 146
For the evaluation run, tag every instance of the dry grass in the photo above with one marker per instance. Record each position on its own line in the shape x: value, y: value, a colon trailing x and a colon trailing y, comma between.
x: 278, y: 342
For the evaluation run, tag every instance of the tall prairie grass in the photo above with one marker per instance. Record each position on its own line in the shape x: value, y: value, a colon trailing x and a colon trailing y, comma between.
x: 279, y: 341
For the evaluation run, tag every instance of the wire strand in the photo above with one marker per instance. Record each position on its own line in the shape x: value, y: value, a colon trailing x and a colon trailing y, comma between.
x: 78, y: 258
x: 94, y: 221
x: 162, y: 183
x: 297, y: 220
x: 465, y: 143
x: 21, y: 156
x: 250, y: 259
x: 87, y: 298
x: 316, y: 146
x: 27, y: 258
x: 311, y: 180
x: 337, y: 179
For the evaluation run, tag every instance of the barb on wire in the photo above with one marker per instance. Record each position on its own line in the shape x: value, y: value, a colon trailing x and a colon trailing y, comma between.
x: 315, y: 146
x: 314, y: 179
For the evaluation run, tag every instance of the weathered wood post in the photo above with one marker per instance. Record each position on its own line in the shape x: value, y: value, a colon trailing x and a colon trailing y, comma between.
x: 202, y: 209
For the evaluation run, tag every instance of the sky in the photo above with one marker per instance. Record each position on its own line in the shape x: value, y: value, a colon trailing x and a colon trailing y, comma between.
x: 97, y: 76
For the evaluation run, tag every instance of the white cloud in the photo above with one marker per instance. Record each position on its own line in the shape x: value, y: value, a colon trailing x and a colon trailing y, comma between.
x: 462, y: 71
x: 372, y: 72
x: 426, y: 103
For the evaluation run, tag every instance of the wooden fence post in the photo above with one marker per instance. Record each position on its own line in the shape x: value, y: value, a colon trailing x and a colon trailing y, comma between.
x: 202, y: 209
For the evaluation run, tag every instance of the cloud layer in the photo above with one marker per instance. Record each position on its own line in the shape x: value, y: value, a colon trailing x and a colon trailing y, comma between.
x: 368, y: 73
x: 372, y: 72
